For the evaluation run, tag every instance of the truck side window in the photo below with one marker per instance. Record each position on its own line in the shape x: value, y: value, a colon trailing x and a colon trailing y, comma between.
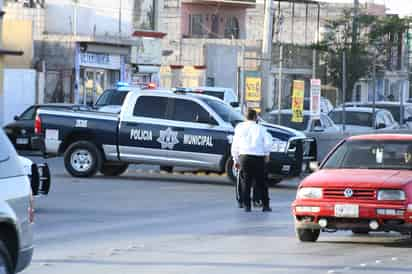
x: 188, y: 111
x: 151, y: 107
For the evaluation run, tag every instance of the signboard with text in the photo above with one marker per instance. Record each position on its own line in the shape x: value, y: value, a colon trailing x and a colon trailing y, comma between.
x: 315, y: 98
x: 297, y: 101
x: 253, y: 86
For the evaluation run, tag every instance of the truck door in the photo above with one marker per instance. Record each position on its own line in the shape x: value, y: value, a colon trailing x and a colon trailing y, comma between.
x: 201, y: 142
x: 140, y: 132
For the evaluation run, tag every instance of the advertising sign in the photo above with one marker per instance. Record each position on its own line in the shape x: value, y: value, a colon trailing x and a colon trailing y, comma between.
x: 315, y: 98
x: 297, y: 101
x: 253, y: 87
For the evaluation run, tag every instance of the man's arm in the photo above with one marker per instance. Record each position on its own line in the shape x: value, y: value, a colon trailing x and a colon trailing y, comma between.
x: 268, y: 142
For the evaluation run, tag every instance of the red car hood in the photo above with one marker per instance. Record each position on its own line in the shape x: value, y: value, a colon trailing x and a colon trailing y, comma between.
x: 369, y: 178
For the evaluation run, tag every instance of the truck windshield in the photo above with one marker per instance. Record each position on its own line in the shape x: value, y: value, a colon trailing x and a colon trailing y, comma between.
x: 111, y: 97
x: 286, y: 120
x: 9, y: 161
x: 371, y: 154
x: 227, y: 113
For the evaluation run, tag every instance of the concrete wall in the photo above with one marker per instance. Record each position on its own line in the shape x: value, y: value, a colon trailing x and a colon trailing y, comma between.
x: 18, y: 35
x: 19, y: 93
x: 223, y: 14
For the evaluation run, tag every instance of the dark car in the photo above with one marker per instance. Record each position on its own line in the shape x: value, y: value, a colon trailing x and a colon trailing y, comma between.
x: 21, y: 131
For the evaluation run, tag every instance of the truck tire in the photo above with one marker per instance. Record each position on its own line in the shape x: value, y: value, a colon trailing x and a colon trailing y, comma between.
x: 6, y: 266
x: 113, y: 169
x: 229, y: 168
x: 83, y: 159
x: 307, y: 235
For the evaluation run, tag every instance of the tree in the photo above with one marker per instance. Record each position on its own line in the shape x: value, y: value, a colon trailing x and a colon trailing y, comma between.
x: 375, y: 40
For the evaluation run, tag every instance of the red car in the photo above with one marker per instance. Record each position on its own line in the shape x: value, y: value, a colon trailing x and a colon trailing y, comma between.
x: 363, y: 185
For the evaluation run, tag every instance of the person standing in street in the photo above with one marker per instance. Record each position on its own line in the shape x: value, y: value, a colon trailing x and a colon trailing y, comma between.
x: 251, y: 147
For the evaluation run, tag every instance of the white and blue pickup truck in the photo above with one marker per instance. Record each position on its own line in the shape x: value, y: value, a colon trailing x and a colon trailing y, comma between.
x: 165, y: 128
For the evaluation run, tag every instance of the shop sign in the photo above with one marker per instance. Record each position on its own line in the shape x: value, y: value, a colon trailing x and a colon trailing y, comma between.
x: 253, y: 87
x: 315, y: 98
x: 100, y: 60
x: 297, y: 101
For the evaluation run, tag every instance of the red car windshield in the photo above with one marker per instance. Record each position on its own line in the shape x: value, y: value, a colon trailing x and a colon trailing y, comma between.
x: 371, y: 154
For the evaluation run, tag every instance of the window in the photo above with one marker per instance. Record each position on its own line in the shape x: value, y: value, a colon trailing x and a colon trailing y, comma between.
x: 225, y: 112
x: 232, y: 28
x: 189, y: 111
x: 28, y: 114
x: 9, y: 161
x: 111, y: 97
x: 215, y: 27
x: 151, y: 107
x: 380, y: 118
x: 196, y: 25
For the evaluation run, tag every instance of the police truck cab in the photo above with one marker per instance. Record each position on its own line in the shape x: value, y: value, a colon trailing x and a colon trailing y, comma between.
x: 163, y: 128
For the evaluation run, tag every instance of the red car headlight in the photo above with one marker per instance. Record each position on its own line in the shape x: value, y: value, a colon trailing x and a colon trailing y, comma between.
x: 309, y: 193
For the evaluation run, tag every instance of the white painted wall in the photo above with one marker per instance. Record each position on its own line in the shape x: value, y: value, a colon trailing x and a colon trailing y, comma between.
x: 19, y: 93
x: 99, y: 17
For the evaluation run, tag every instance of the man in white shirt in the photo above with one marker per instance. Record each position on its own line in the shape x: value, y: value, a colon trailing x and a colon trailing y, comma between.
x: 251, y: 147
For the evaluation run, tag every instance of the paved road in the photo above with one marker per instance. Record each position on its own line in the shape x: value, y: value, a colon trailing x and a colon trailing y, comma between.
x: 174, y: 224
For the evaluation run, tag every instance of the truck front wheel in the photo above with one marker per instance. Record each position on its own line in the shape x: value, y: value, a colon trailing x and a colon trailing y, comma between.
x: 113, y: 169
x: 5, y: 260
x: 83, y: 159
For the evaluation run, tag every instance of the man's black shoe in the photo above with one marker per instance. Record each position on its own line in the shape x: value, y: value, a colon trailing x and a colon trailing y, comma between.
x: 247, y: 209
x: 240, y: 205
x: 267, y: 209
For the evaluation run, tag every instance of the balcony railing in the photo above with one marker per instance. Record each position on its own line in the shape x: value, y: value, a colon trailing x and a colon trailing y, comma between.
x: 238, y: 3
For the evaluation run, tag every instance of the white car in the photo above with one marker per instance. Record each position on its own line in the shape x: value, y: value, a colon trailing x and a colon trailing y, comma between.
x: 225, y: 94
x: 39, y: 176
x: 363, y: 119
x: 16, y: 211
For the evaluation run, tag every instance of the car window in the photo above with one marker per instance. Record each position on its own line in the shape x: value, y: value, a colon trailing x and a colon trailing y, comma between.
x: 356, y: 118
x: 111, y: 97
x: 151, y: 107
x: 28, y: 114
x: 188, y: 111
x: 380, y: 118
x: 9, y: 161
x: 371, y: 154
x: 325, y: 121
x: 388, y: 119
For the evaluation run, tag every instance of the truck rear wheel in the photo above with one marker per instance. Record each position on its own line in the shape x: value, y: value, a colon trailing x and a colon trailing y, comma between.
x: 113, y: 169
x: 83, y: 159
x: 5, y: 260
x: 307, y: 235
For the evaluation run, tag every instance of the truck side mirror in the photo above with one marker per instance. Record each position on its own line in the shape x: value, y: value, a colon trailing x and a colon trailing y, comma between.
x: 313, y: 166
x: 16, y: 118
x: 380, y: 126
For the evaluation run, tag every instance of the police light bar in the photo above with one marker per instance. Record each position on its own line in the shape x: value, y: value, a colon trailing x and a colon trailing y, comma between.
x: 151, y: 86
x: 122, y: 84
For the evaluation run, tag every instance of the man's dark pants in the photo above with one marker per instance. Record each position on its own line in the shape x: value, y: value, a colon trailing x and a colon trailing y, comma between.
x: 253, y: 168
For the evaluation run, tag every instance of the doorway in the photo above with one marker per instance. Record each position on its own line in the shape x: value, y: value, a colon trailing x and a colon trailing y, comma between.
x: 94, y: 83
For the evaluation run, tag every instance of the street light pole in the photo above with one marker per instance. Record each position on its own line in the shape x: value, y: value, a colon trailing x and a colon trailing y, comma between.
x: 343, y: 89
x: 266, y: 54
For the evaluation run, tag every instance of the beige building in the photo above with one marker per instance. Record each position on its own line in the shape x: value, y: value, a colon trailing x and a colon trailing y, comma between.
x: 18, y: 34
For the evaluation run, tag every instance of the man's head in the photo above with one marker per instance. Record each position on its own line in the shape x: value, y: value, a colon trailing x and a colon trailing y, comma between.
x: 251, y: 114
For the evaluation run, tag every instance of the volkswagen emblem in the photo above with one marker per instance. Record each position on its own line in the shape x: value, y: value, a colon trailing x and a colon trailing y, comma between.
x: 348, y: 192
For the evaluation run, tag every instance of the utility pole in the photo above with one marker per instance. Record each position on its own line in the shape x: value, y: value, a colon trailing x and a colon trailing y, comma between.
x: 355, y: 22
x: 374, y: 84
x: 279, y: 41
x: 266, y: 54
x: 120, y: 19
x: 75, y: 2
x: 344, y: 89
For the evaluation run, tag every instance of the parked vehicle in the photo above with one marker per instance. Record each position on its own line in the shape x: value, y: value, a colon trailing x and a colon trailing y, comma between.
x: 325, y: 104
x: 39, y: 176
x: 163, y: 128
x: 225, y: 94
x: 393, y: 107
x: 16, y: 211
x: 323, y: 124
x: 363, y: 119
x: 364, y: 184
x: 21, y: 131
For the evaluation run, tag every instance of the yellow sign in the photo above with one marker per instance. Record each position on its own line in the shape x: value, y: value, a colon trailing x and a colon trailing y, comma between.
x: 297, y: 101
x: 253, y: 89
